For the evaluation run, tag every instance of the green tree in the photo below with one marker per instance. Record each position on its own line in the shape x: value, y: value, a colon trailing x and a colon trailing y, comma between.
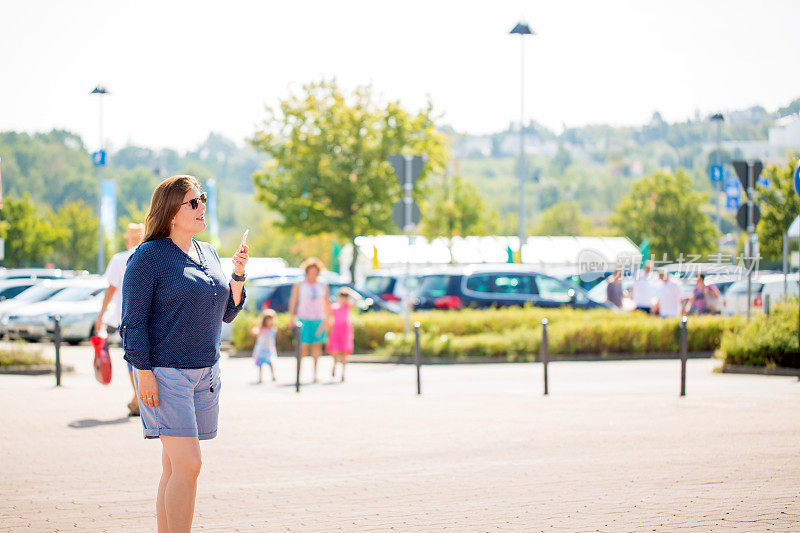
x: 75, y: 232
x: 563, y: 218
x: 28, y: 232
x: 454, y: 209
x: 664, y: 208
x: 779, y: 207
x: 328, y: 171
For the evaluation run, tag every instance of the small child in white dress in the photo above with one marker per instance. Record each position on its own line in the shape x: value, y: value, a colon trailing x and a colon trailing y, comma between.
x: 264, y: 351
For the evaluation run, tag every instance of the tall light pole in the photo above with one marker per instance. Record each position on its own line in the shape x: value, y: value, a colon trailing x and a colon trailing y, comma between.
x: 719, y: 119
x: 522, y: 30
x: 99, y: 162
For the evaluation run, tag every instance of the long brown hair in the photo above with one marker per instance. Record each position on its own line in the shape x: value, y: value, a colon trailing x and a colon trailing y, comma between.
x: 164, y: 205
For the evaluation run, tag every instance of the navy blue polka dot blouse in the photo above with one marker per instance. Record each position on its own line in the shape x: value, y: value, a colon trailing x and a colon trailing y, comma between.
x: 173, y: 307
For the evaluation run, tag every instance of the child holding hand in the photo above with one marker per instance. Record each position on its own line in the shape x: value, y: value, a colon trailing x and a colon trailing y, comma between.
x: 264, y: 351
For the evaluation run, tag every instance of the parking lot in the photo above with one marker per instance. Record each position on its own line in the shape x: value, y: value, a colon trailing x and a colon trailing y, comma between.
x: 612, y: 448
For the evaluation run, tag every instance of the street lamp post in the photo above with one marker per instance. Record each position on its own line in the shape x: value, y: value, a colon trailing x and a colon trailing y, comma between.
x: 522, y: 30
x: 719, y: 119
x: 100, y: 91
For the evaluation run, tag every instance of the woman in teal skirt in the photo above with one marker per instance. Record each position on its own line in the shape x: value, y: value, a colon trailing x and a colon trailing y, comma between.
x: 310, y: 304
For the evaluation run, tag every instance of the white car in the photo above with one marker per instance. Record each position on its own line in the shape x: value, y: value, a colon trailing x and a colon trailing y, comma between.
x: 762, y: 286
x: 11, y: 288
x: 77, y: 304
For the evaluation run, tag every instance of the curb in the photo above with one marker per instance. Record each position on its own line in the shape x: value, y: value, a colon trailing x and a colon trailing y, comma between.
x: 373, y: 359
x: 760, y: 370
x: 35, y: 370
x: 553, y: 357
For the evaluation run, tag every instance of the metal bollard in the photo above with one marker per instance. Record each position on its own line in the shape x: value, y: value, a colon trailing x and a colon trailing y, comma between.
x: 684, y: 334
x: 766, y: 305
x: 57, y: 342
x: 298, y: 327
x: 417, y: 357
x: 545, y: 353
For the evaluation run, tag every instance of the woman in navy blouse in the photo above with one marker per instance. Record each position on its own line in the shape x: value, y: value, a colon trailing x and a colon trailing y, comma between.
x: 175, y: 297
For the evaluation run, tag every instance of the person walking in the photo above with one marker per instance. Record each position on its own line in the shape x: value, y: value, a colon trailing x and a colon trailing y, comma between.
x: 614, y: 288
x: 310, y: 303
x: 265, y: 351
x: 340, y: 343
x: 642, y: 289
x: 669, y: 299
x: 175, y: 297
x: 112, y: 301
x: 702, y: 295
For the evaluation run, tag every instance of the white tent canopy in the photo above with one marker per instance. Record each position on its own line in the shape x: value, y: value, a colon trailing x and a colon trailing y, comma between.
x: 562, y: 252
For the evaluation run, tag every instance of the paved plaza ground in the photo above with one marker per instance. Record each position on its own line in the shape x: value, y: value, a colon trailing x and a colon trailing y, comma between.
x: 613, y: 448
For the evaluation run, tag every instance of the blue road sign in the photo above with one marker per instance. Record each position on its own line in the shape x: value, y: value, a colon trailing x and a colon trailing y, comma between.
x: 763, y: 181
x: 99, y: 158
x: 797, y: 179
x: 733, y: 190
x: 715, y: 173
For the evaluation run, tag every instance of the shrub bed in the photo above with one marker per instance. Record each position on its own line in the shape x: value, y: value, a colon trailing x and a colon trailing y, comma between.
x: 516, y: 333
x: 765, y: 341
x: 20, y: 354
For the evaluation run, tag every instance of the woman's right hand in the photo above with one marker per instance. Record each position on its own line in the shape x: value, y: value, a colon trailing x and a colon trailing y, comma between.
x: 148, y: 387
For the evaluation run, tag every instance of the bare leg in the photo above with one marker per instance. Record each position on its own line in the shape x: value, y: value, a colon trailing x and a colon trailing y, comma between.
x: 303, y: 351
x: 316, y: 351
x: 161, y: 510
x: 335, y: 360
x: 344, y: 363
x: 181, y: 489
x: 259, y: 373
x: 272, y: 370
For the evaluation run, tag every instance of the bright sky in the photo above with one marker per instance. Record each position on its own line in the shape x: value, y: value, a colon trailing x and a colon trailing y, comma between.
x: 180, y: 69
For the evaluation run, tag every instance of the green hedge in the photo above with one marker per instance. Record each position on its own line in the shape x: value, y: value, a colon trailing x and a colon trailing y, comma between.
x: 21, y: 354
x: 516, y: 333
x: 765, y: 341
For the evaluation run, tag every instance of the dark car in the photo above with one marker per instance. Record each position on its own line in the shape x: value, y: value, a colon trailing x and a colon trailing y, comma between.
x: 483, y: 286
x: 390, y: 284
x: 274, y: 293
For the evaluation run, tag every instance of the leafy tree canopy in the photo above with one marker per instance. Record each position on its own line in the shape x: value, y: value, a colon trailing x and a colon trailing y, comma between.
x: 779, y: 207
x: 666, y: 210
x: 328, y: 171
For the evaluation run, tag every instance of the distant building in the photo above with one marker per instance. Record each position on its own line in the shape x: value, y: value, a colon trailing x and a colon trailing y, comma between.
x: 786, y: 132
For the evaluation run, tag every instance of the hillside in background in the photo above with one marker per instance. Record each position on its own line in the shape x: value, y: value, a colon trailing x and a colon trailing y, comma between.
x: 592, y: 165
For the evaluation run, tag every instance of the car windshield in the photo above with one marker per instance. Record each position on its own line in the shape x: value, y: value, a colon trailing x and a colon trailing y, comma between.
x: 378, y: 284
x: 76, y: 294
x: 37, y: 293
x: 11, y: 292
x: 434, y: 286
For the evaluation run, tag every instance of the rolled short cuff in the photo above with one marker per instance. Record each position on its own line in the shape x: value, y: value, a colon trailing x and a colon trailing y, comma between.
x: 207, y: 436
x: 154, y: 433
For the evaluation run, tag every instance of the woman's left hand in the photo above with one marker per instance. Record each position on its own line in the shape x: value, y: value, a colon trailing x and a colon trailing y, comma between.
x: 240, y: 259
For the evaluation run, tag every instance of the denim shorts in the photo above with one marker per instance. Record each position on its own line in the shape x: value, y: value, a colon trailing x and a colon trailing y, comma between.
x: 188, y: 403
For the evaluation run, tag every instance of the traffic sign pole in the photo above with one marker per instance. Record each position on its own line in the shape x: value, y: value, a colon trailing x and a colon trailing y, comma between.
x: 750, y: 228
x: 797, y: 190
x: 407, y: 226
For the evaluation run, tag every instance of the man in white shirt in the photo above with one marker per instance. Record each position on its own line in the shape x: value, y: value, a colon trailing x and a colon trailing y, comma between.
x: 115, y: 272
x: 669, y: 300
x: 643, y: 292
